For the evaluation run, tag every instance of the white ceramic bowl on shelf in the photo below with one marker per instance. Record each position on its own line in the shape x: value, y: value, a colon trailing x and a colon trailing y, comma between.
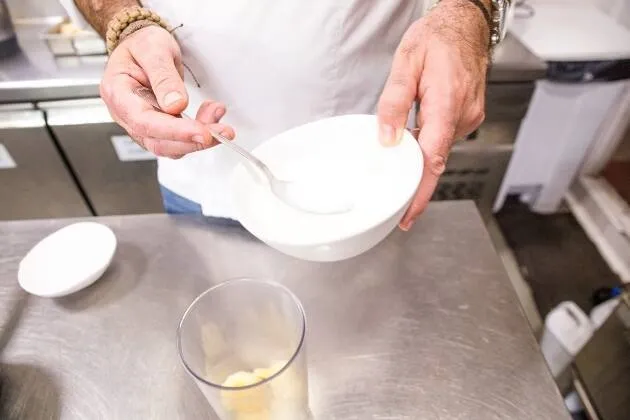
x: 381, y: 180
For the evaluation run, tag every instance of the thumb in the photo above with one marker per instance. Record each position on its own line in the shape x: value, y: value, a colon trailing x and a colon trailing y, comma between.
x: 169, y: 88
x: 397, y: 99
x: 165, y: 80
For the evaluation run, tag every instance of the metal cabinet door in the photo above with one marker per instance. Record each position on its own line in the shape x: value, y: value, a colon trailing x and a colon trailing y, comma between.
x: 117, y: 176
x: 508, y: 101
x: 34, y: 181
x: 475, y: 168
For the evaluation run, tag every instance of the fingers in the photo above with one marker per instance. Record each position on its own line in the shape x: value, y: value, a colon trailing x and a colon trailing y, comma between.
x: 161, y: 133
x: 448, y: 78
x: 436, y: 136
x: 169, y: 148
x: 210, y: 113
x: 157, y: 124
x: 161, y: 67
x: 138, y: 62
x: 178, y: 149
x: 224, y: 130
x: 401, y: 89
x: 143, y: 121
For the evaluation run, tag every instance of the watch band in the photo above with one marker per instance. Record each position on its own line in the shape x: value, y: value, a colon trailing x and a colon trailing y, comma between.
x: 498, y: 28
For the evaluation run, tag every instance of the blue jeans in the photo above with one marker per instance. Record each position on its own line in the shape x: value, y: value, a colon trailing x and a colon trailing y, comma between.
x: 176, y: 204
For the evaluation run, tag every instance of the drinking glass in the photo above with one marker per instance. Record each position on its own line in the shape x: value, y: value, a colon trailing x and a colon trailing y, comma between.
x: 243, y: 342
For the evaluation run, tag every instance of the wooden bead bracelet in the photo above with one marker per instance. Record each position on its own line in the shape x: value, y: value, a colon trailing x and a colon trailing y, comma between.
x: 128, y: 21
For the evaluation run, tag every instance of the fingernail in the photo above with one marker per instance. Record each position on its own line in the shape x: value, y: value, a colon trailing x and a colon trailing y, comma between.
x: 198, y: 138
x: 172, y: 97
x: 389, y: 136
x: 406, y: 226
x: 219, y: 113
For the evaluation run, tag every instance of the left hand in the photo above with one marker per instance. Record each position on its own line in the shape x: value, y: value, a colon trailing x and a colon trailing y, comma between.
x: 441, y: 61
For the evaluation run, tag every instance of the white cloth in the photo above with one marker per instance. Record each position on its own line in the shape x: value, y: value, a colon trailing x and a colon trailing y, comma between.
x: 277, y: 64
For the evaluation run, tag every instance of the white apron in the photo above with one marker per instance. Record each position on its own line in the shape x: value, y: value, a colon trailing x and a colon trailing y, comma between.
x: 276, y: 64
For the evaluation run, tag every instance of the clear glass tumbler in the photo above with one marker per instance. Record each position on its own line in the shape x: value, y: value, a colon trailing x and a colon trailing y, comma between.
x: 243, y: 342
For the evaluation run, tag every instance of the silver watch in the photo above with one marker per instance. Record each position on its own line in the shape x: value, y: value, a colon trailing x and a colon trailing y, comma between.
x: 501, y: 15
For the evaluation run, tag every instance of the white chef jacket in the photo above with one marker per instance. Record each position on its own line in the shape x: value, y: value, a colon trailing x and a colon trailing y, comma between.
x: 276, y: 64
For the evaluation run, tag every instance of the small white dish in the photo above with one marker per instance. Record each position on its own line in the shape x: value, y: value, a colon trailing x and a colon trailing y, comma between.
x: 67, y: 260
x: 381, y: 180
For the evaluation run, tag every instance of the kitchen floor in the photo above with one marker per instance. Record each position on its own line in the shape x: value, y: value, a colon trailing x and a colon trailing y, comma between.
x: 556, y: 258
x: 556, y: 261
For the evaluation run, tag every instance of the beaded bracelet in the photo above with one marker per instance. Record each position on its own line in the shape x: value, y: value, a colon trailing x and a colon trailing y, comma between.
x: 128, y: 21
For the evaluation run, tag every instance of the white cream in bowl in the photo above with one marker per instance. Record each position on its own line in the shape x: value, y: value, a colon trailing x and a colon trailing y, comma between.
x: 376, y: 182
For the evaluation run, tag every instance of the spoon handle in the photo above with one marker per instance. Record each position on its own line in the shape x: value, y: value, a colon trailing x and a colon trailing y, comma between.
x: 148, y: 95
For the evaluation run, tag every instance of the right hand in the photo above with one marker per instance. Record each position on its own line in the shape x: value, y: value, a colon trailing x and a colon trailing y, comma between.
x: 151, y: 57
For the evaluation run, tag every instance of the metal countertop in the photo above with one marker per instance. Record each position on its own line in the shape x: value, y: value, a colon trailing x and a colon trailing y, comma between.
x: 35, y: 75
x: 424, y: 326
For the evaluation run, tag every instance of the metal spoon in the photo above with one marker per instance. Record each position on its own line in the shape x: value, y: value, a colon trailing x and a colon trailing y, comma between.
x: 318, y: 199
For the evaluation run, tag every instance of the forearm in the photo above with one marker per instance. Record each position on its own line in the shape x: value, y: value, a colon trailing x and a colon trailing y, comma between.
x: 98, y: 13
x: 463, y: 19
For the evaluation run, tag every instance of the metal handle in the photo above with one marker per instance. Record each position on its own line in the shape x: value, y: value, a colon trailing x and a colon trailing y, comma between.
x: 148, y: 95
x: 238, y: 149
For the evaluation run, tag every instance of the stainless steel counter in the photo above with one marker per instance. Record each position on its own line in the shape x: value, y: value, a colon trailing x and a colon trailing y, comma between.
x: 425, y: 326
x: 35, y: 75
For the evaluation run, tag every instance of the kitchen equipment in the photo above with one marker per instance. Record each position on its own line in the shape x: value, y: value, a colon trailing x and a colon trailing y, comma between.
x: 602, y: 368
x: 8, y: 41
x: 567, y: 330
x: 385, y: 180
x: 66, y: 39
x: 6, y: 27
x: 576, y: 115
x: 117, y: 175
x: 320, y: 193
x: 586, y: 33
x: 477, y: 164
x: 243, y: 342
x: 34, y: 181
x: 67, y: 260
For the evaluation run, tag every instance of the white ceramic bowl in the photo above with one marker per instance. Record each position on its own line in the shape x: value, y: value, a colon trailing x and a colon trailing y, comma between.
x: 384, y: 181
x: 67, y: 260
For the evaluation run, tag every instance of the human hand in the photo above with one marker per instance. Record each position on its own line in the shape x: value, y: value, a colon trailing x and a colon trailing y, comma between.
x: 442, y: 62
x: 151, y: 57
